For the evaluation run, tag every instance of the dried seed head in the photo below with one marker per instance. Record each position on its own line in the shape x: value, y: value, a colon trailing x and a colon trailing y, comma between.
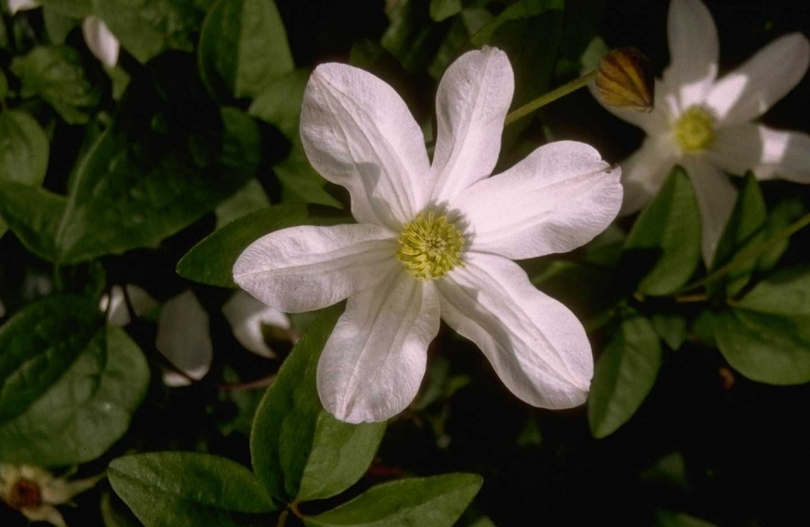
x: 624, y: 80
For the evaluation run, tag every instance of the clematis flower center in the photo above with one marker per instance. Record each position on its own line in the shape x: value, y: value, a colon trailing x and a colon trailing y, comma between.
x: 430, y: 246
x: 694, y: 130
x: 25, y: 494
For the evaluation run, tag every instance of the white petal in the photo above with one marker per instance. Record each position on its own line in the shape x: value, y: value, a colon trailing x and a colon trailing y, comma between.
x: 115, y: 304
x: 558, y: 198
x: 358, y: 133
x: 768, y: 153
x: 45, y: 513
x: 183, y: 338
x: 644, y: 172
x: 247, y: 315
x: 535, y: 344
x: 748, y: 92
x: 374, y: 361
x: 100, y: 40
x: 693, y: 50
x: 22, y: 5
x: 715, y: 196
x: 471, y: 104
x: 307, y: 268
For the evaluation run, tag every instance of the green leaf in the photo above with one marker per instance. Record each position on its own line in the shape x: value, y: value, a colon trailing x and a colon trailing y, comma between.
x: 746, y: 227
x: 243, y: 47
x: 166, y: 160
x: 3, y: 85
x: 299, y: 451
x: 58, y: 25
x: 441, y: 9
x: 24, y: 150
x: 70, y: 385
x: 665, y: 518
x: 249, y: 198
x: 280, y: 105
x: 70, y: 8
x: 55, y: 73
x: 671, y: 328
x: 145, y: 28
x: 767, y: 348
x: 211, y: 261
x: 518, y: 11
x: 187, y: 489
x: 664, y: 244
x: 624, y: 375
x: 784, y: 293
x: 412, y: 37
x: 436, y: 501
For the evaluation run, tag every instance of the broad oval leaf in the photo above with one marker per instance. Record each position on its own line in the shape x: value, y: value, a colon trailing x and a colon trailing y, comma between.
x: 664, y: 243
x: 71, y: 8
x: 55, y: 73
x: 243, y: 47
x: 70, y: 384
x: 280, y: 105
x: 147, y: 27
x: 784, y: 293
x: 436, y: 501
x: 624, y: 375
x: 180, y: 489
x: 747, y: 227
x: 24, y: 150
x: 169, y: 157
x: 211, y: 261
x: 299, y: 451
x: 767, y: 348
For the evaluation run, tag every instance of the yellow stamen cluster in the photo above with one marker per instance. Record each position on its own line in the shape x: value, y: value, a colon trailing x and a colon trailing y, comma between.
x: 694, y: 131
x: 430, y: 246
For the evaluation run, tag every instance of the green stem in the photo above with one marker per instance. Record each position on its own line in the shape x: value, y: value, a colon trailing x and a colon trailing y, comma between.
x: 551, y: 96
x: 282, y: 519
x: 749, y: 254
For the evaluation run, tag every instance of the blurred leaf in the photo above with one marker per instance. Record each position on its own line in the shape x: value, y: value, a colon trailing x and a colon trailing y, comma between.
x: 441, y: 9
x: 58, y: 24
x: 767, y: 348
x: 664, y: 243
x: 166, y: 160
x: 582, y: 18
x: 187, y: 488
x: 243, y: 47
x: 55, y: 73
x: 249, y: 198
x: 280, y: 105
x: 114, y: 513
x: 624, y: 375
x: 436, y: 501
x: 785, y: 212
x: 412, y: 37
x: 671, y: 328
x: 521, y: 10
x: 746, y: 227
x: 299, y: 451
x: 70, y: 384
x: 147, y: 27
x: 666, y: 518
x: 24, y: 150
x: 211, y: 261
x: 588, y: 290
x: 70, y: 8
x: 3, y: 85
x: 457, y: 40
x: 784, y: 293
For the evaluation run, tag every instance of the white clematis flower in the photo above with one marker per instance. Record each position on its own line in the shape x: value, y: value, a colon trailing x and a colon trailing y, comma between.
x: 100, y: 40
x: 34, y: 491
x: 434, y: 241
x: 703, y: 123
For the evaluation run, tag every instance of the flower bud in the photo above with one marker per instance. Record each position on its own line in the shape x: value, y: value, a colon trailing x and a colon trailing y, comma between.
x: 624, y: 80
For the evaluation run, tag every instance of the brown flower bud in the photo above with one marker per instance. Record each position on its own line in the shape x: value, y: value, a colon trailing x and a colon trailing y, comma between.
x: 624, y: 80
